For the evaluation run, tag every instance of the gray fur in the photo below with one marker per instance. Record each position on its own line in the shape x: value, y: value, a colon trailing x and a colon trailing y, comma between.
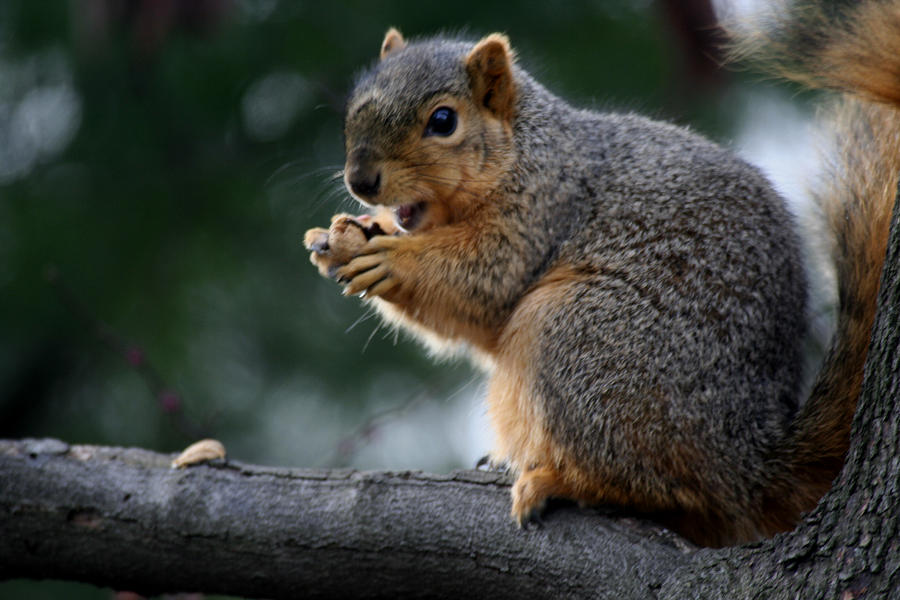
x: 684, y: 241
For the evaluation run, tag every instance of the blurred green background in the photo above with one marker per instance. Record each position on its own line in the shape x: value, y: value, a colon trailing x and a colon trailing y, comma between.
x: 159, y: 163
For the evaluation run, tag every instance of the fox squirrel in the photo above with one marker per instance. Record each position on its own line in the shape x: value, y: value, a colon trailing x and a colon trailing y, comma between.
x: 636, y: 293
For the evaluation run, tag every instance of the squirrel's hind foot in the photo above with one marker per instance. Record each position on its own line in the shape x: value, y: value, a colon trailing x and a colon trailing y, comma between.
x: 531, y: 491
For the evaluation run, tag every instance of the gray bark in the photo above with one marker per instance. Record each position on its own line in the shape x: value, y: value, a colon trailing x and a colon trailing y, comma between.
x: 122, y: 518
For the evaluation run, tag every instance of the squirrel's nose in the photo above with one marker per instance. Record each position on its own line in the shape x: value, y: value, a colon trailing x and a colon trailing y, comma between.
x: 363, y: 182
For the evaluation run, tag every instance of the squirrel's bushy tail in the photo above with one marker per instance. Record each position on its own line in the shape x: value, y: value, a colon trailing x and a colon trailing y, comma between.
x: 852, y: 47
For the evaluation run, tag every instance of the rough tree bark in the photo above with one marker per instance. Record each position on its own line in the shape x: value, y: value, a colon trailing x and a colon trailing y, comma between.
x: 122, y: 518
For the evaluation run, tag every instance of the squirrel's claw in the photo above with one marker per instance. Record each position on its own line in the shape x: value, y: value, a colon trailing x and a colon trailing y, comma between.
x: 383, y: 287
x: 370, y: 271
x: 357, y: 267
x: 526, y: 509
x: 487, y: 463
x: 532, y: 520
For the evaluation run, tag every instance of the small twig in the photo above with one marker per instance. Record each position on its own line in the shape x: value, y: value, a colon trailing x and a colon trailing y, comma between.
x: 366, y: 431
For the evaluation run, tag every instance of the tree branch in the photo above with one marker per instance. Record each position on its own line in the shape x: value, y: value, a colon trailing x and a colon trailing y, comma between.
x: 123, y: 518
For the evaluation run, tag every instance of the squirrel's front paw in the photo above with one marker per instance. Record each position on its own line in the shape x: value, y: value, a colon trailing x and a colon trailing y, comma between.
x: 371, y: 273
x: 337, y: 245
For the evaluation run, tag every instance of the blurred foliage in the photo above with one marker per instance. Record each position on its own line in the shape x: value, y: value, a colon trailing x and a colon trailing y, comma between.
x: 163, y: 158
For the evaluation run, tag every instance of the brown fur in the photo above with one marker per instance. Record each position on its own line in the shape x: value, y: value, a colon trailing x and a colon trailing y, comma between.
x: 521, y: 435
x: 422, y: 296
x: 849, y: 47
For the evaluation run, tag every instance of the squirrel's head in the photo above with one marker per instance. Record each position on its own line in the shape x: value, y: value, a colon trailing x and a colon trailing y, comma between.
x: 428, y: 130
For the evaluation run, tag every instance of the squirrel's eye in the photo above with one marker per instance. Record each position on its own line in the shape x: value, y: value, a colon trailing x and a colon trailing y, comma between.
x: 442, y: 122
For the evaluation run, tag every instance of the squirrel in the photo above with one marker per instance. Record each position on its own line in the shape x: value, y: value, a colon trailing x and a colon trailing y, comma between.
x: 636, y: 293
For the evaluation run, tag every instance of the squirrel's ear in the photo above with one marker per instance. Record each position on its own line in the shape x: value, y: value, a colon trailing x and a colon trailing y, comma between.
x: 393, y: 42
x: 490, y: 72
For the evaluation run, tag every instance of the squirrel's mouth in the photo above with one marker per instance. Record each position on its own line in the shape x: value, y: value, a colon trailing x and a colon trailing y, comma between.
x: 409, y: 216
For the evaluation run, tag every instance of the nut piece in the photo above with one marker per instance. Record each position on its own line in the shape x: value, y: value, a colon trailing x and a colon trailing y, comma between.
x: 346, y: 237
x: 198, y: 452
